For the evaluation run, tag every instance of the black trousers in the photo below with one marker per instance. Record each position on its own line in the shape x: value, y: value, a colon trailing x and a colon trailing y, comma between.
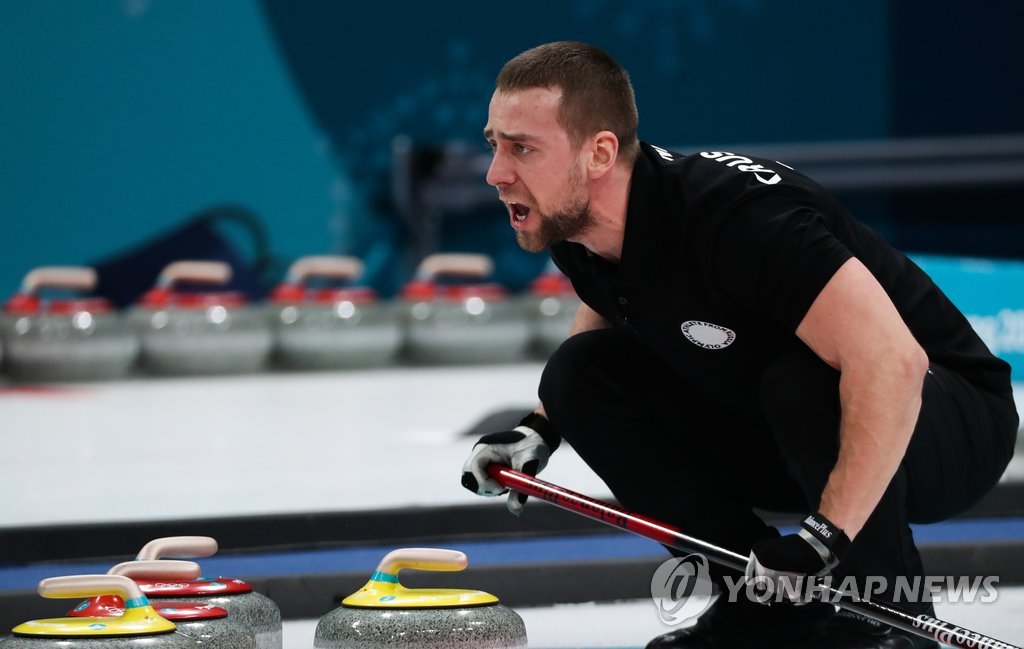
x: 666, y: 451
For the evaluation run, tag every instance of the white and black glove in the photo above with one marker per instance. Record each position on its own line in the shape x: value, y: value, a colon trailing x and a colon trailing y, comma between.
x: 526, y: 448
x: 789, y: 561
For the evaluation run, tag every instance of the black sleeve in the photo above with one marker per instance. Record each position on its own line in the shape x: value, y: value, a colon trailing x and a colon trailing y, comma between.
x: 774, y: 254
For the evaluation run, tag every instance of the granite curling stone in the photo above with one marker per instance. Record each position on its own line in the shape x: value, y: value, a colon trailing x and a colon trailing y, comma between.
x: 77, y: 338
x: 202, y: 332
x: 242, y: 603
x: 206, y: 623
x: 325, y: 328
x: 471, y: 321
x: 383, y: 614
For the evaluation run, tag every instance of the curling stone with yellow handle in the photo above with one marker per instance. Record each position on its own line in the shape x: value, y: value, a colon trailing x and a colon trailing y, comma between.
x: 242, y: 603
x: 139, y: 627
x: 209, y: 625
x: 383, y: 614
x: 67, y: 335
x: 340, y: 326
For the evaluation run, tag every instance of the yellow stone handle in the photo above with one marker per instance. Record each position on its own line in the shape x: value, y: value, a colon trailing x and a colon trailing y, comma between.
x: 158, y: 570
x: 178, y: 547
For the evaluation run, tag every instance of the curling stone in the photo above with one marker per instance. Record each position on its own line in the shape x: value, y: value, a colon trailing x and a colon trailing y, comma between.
x: 242, y: 603
x: 139, y: 627
x: 331, y: 328
x: 67, y: 338
x: 200, y: 332
x: 207, y: 624
x: 553, y: 306
x: 469, y: 322
x: 383, y: 614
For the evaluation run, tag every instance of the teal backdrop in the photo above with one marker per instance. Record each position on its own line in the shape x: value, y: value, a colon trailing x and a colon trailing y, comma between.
x: 119, y: 119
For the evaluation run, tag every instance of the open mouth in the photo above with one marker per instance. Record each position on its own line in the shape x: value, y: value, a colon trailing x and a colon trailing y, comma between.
x: 519, y: 212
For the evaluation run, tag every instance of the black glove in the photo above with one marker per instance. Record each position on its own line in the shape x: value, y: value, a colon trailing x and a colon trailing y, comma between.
x: 787, y: 561
x: 525, y: 448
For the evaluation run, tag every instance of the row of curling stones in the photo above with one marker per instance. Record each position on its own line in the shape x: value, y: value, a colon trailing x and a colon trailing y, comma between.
x: 176, y: 330
x: 383, y: 614
x: 472, y: 321
x: 170, y: 331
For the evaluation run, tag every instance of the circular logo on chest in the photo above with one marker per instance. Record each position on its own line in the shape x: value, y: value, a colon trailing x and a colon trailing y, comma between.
x: 707, y: 335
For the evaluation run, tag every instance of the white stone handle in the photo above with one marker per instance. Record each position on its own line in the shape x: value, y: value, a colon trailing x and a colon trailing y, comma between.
x: 422, y: 559
x: 162, y: 570
x: 79, y: 586
x: 206, y: 272
x: 77, y: 277
x: 332, y: 266
x: 462, y: 264
x: 179, y: 547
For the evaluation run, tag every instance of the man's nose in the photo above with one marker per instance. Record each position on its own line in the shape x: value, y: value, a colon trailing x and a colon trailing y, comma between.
x: 500, y: 171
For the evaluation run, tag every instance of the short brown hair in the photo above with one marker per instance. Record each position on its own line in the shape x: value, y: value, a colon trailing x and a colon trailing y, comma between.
x: 596, y: 92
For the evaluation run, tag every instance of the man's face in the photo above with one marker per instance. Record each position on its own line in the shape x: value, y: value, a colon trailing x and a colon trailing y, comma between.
x: 536, y: 169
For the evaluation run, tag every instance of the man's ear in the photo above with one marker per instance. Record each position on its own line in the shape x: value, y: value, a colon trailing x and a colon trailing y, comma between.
x: 604, y: 148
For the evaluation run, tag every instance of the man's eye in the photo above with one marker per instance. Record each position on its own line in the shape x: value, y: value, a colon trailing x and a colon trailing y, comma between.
x: 492, y: 145
x: 522, y: 148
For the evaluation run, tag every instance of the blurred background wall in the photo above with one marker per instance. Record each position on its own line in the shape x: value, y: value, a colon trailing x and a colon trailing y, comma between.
x: 120, y: 119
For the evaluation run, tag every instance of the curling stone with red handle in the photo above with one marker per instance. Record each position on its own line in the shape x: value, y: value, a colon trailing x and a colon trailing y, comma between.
x: 383, y: 614
x: 208, y: 332
x: 553, y: 306
x: 248, y: 607
x: 139, y: 627
x: 470, y: 322
x: 208, y: 624
x: 332, y: 328
x: 64, y: 339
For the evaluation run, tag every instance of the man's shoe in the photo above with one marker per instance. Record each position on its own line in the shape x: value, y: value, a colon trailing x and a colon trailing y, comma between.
x: 748, y: 625
x: 847, y: 630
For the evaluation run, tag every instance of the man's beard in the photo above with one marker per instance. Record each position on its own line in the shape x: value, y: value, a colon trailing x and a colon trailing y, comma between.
x: 567, y: 223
